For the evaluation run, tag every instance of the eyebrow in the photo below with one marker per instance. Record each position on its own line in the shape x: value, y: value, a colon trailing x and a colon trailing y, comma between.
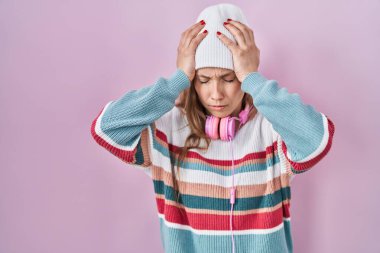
x: 220, y: 76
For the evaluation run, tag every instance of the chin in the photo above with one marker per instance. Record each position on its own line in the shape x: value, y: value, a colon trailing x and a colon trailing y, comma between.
x: 221, y: 114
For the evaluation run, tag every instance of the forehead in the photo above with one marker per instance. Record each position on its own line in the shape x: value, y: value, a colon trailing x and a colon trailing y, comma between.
x: 209, y: 72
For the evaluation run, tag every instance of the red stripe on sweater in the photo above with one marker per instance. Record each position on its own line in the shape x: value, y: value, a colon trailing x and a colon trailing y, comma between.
x: 202, y: 221
x: 126, y: 156
x: 191, y: 154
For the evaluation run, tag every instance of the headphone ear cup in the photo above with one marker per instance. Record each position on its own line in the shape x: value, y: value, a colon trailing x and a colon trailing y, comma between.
x: 227, y: 128
x: 223, y: 128
x: 212, y: 127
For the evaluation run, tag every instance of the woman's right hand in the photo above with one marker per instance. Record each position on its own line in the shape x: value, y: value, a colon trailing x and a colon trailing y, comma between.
x: 189, y: 42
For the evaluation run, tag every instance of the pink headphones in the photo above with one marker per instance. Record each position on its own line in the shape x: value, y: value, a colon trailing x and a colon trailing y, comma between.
x: 225, y: 129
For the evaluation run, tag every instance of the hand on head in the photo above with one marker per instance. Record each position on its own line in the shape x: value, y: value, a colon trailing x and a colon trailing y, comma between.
x: 245, y: 54
x: 188, y: 44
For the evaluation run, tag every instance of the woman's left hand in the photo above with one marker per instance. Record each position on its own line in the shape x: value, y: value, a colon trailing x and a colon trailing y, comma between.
x: 246, y: 55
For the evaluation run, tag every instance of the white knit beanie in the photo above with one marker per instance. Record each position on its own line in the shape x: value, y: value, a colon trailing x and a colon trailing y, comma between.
x: 211, y: 51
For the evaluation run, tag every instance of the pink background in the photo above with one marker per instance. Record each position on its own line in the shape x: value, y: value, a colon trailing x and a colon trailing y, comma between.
x: 62, y: 61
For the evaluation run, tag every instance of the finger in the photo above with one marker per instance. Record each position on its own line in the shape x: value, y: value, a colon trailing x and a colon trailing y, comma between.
x: 228, y: 42
x: 238, y: 35
x: 251, y: 35
x: 184, y: 34
x: 195, y: 42
x: 243, y: 29
x: 192, y: 33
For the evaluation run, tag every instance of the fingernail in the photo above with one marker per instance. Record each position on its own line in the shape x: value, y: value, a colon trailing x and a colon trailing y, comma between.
x: 202, y: 22
x: 205, y: 31
x: 226, y: 23
x: 229, y: 19
x: 219, y: 33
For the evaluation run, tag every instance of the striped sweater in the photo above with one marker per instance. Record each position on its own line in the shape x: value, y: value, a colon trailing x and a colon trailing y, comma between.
x: 285, y: 138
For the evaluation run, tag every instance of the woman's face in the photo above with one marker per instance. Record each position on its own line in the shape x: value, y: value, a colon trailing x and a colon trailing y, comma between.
x: 219, y: 86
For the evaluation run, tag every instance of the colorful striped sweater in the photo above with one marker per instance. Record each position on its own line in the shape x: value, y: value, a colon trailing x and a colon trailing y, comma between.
x: 285, y: 138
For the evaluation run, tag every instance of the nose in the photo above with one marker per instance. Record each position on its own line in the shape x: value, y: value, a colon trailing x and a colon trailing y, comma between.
x: 217, y: 92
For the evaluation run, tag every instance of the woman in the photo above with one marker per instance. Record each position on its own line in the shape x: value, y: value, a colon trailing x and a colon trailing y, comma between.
x: 221, y: 185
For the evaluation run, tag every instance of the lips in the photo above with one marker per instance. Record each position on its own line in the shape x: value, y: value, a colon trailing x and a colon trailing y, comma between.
x: 217, y: 107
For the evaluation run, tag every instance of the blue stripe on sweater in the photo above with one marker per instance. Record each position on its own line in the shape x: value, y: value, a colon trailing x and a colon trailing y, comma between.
x: 269, y: 161
x: 177, y: 240
x: 241, y: 204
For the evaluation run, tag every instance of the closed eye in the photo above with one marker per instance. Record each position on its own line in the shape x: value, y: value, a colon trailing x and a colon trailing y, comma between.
x: 228, y: 81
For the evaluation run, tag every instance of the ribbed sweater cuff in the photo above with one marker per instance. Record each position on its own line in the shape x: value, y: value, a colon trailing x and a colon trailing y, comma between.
x: 179, y: 81
x: 252, y: 82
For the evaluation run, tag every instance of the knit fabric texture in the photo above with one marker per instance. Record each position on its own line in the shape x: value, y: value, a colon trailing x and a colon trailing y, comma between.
x: 285, y: 138
x: 211, y: 51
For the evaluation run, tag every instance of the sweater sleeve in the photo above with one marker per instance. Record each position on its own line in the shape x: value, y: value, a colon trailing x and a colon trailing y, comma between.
x: 125, y: 127
x: 304, y: 136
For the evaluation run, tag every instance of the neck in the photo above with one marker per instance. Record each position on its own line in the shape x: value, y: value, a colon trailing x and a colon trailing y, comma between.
x: 238, y: 109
